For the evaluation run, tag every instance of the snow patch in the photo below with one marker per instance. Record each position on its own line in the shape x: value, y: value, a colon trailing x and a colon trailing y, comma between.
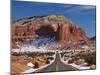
x: 80, y: 67
x: 29, y: 71
x: 30, y: 64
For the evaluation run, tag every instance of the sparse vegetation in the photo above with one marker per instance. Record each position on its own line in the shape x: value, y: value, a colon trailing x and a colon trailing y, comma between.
x: 90, y: 58
x: 62, y: 54
x: 37, y: 58
x: 50, y: 53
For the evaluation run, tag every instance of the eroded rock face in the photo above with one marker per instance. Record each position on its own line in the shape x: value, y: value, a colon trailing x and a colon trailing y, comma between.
x: 64, y: 31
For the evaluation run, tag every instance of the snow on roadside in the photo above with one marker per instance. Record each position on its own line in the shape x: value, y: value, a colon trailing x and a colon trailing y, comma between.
x: 30, y: 70
x: 80, y: 67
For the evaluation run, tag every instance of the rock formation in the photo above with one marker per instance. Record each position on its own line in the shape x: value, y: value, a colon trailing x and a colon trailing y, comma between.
x: 64, y: 31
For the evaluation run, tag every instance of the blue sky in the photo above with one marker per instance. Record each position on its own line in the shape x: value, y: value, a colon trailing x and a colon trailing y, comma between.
x: 82, y: 15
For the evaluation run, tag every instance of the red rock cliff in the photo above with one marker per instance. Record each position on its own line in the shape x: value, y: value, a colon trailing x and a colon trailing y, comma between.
x: 56, y: 26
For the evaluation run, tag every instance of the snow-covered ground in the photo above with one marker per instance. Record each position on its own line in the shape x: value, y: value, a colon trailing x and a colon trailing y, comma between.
x: 37, y: 45
x: 29, y: 71
x: 80, y: 67
x: 40, y: 45
x: 31, y: 49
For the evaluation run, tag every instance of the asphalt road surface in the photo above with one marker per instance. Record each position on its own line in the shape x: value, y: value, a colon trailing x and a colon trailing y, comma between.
x: 57, y: 66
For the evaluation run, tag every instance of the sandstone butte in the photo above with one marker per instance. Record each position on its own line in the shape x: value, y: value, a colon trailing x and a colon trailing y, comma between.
x: 65, y: 32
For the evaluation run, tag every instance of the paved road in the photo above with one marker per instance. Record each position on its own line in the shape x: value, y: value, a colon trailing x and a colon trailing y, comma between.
x: 57, y: 65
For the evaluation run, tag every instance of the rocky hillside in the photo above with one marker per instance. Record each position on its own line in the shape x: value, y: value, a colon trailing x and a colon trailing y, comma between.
x: 93, y: 39
x: 56, y: 27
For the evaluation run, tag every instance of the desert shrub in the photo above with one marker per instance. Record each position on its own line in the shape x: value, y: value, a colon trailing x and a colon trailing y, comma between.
x: 30, y: 54
x: 34, y: 54
x: 89, y: 58
x: 71, y: 61
x: 62, y: 54
x: 17, y: 54
x: 47, y: 61
x: 50, y: 53
x: 36, y: 65
x: 51, y: 58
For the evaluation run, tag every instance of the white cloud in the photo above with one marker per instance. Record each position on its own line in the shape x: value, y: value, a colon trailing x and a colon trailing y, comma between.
x: 79, y: 8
